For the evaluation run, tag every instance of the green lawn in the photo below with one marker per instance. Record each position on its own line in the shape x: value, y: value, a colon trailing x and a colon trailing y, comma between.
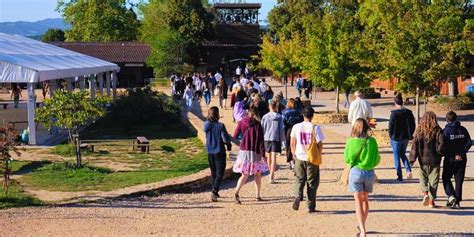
x: 16, y: 197
x: 175, y: 151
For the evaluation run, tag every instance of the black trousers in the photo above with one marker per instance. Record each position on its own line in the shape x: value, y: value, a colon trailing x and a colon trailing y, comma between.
x: 289, y: 155
x: 217, y: 165
x: 451, y: 168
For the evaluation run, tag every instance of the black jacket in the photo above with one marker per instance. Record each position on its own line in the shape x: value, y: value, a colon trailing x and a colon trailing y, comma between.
x: 457, y: 139
x: 428, y: 152
x: 401, y: 125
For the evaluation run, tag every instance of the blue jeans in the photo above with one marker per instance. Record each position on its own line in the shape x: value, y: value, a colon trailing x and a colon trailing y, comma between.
x: 361, y: 180
x: 189, y: 102
x: 207, y: 97
x: 399, y: 149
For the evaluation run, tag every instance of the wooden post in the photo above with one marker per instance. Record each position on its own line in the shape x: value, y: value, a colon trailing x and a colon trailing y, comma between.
x: 31, y: 105
x: 417, y: 101
x: 337, y: 100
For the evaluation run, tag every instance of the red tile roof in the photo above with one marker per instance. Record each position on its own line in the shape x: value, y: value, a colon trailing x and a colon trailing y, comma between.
x: 116, y: 52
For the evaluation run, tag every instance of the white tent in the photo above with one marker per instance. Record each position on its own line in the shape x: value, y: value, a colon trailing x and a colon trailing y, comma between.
x: 24, y: 60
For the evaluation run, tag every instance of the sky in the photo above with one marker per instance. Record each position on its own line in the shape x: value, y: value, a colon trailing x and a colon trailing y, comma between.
x: 34, y: 10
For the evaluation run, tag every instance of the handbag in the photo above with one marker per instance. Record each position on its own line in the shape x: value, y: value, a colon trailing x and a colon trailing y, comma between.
x: 313, y: 152
x: 344, y: 179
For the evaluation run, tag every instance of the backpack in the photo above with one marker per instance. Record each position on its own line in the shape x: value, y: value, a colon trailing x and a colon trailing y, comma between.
x: 313, y: 152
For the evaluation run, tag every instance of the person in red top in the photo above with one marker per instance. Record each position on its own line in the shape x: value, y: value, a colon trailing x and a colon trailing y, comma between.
x: 250, y: 160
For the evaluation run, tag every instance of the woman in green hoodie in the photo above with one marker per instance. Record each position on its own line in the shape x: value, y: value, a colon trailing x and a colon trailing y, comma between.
x: 362, y: 155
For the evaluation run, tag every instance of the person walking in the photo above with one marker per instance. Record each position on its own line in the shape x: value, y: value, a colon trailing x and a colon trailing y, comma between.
x: 207, y: 90
x: 217, y: 139
x: 188, y: 96
x: 400, y: 129
x: 458, y: 142
x: 427, y: 147
x: 291, y: 116
x: 299, y: 84
x: 222, y: 88
x: 15, y: 95
x: 250, y: 160
x: 362, y: 155
x: 347, y: 93
x: 359, y: 108
x: 239, y: 106
x: 306, y: 173
x: 274, y: 136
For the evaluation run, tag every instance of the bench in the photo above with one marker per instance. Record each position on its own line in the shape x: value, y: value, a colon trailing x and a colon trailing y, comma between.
x: 142, y: 143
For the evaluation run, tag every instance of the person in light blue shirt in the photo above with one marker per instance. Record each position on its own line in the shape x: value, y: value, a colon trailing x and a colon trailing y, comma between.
x: 274, y: 136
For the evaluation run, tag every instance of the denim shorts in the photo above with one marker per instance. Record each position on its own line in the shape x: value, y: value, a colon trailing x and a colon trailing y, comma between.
x: 361, y: 180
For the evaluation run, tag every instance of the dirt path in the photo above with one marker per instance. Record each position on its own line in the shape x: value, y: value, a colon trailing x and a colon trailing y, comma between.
x: 395, y: 209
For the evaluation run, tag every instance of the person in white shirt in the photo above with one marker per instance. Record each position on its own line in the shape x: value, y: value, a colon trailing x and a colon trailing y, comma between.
x: 243, y: 81
x: 263, y: 86
x: 238, y: 71
x: 306, y: 173
x: 359, y: 108
x: 218, y: 77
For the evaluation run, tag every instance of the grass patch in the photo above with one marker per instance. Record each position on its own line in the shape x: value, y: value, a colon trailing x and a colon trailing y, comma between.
x: 16, y: 197
x: 67, y: 150
x: 66, y: 177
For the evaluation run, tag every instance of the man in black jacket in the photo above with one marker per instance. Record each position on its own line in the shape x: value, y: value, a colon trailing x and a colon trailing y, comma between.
x: 401, y: 128
x: 457, y: 144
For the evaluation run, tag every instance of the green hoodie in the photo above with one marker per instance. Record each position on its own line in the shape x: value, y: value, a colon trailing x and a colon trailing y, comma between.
x: 369, y: 157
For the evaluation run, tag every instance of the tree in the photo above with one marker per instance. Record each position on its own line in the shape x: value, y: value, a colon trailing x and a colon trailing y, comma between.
x: 53, y: 35
x: 416, y: 42
x: 99, y: 20
x: 334, y: 50
x: 184, y: 24
x: 70, y: 110
x: 8, y: 144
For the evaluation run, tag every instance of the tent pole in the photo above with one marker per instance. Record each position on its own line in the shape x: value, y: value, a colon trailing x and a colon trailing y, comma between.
x: 92, y: 85
x: 31, y: 113
x: 100, y: 77
x: 107, y: 82
x: 114, y: 84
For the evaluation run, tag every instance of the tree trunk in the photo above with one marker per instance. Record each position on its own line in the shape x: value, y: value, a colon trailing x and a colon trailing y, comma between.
x: 452, y: 87
x: 337, y: 99
x: 77, y: 145
x: 417, y: 105
x: 286, y: 86
x: 292, y: 75
x: 425, y: 100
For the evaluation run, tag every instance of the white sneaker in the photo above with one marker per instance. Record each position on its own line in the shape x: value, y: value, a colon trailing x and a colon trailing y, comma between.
x: 409, y: 175
x: 426, y: 200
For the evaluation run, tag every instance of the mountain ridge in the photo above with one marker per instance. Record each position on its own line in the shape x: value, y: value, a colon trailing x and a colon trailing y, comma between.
x: 26, y: 28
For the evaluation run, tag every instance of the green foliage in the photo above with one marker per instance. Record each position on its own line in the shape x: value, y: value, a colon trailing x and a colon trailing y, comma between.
x: 99, y: 20
x: 175, y: 31
x: 71, y: 109
x: 460, y: 99
x: 140, y: 106
x: 16, y: 197
x: 67, y: 150
x: 53, y: 35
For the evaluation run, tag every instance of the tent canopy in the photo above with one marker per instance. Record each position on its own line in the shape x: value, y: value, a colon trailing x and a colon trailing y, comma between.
x: 24, y: 60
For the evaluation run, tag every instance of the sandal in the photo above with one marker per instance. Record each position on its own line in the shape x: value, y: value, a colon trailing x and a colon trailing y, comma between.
x: 237, y: 199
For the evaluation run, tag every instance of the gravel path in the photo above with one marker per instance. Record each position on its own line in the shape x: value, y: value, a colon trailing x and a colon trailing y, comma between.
x: 395, y: 209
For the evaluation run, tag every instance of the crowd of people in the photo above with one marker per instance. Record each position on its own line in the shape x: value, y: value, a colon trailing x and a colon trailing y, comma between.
x: 268, y: 124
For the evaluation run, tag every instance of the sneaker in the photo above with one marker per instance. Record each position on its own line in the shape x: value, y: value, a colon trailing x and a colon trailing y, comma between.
x: 432, y: 204
x: 237, y: 199
x: 409, y: 175
x: 400, y: 179
x: 457, y: 206
x: 426, y: 200
x: 451, y: 201
x: 296, y: 203
x: 213, y: 197
x: 311, y: 210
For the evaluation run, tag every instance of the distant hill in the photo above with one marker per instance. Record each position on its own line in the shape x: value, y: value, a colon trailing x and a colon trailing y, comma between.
x: 32, y: 28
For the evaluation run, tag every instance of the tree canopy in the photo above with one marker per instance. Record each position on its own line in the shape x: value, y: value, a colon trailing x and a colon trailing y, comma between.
x: 53, y: 35
x: 180, y: 25
x: 99, y: 20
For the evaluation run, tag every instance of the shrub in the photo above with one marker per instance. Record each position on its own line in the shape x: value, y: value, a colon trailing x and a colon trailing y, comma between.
x: 460, y: 99
x: 140, y: 106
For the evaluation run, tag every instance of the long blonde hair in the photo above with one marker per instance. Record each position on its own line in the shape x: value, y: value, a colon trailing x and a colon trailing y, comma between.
x: 428, y: 127
x: 361, y: 129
